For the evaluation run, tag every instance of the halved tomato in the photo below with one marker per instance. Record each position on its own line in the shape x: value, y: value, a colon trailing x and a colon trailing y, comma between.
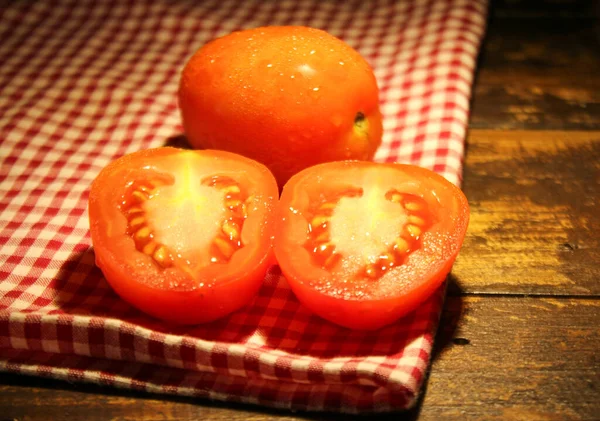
x: 185, y: 236
x: 362, y: 243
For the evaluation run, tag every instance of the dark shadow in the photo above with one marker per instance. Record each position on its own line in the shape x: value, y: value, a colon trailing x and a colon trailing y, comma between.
x: 82, y: 290
x: 102, y: 395
x: 445, y: 335
x: 451, y: 317
x: 179, y: 141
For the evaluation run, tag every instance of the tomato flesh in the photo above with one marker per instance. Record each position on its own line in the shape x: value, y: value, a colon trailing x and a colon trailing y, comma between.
x: 362, y: 244
x: 183, y: 235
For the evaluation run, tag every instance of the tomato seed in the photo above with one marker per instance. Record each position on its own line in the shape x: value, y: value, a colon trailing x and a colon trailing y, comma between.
x: 414, y: 206
x: 139, y: 196
x: 137, y: 222
x: 162, y: 256
x: 224, y: 246
x: 142, y: 234
x: 332, y: 260
x: 401, y: 246
x: 319, y: 221
x: 231, y: 230
x: 416, y: 220
x: 134, y: 210
x: 413, y: 230
x: 231, y: 190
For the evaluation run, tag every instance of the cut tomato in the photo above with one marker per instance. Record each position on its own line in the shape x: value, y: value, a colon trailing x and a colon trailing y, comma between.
x: 361, y: 244
x: 185, y: 236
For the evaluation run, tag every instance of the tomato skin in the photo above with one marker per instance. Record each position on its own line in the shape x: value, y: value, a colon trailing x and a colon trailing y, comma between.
x: 369, y: 304
x: 205, y: 292
x: 285, y: 96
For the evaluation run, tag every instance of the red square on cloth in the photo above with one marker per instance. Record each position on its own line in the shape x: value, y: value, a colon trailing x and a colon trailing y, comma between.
x: 82, y: 83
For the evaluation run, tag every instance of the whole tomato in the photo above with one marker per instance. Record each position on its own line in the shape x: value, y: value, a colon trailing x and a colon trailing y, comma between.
x: 289, y: 97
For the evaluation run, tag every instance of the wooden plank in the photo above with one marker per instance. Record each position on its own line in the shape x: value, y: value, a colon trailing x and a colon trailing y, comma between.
x: 539, y: 73
x: 516, y: 358
x: 517, y: 105
x: 558, y: 52
x: 489, y: 364
x: 564, y: 9
x: 535, y: 219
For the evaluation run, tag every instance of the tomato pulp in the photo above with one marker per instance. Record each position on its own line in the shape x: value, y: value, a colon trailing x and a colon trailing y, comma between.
x: 185, y: 236
x: 362, y: 244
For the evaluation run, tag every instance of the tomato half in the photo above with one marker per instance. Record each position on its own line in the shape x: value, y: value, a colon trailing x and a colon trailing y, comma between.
x: 185, y: 236
x: 362, y: 243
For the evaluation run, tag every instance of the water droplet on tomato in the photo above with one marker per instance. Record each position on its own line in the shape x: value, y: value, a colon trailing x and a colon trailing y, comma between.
x: 315, y: 89
x: 312, y: 52
x: 270, y: 65
x: 306, y: 70
x: 341, y: 63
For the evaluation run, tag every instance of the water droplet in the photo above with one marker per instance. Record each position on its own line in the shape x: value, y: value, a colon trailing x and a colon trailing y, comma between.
x: 341, y: 63
x: 315, y: 89
x: 269, y: 65
x: 312, y: 52
x: 292, y: 76
x: 306, y: 70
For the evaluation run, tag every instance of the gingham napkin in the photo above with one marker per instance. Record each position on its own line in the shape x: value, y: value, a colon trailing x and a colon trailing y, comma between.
x: 82, y: 83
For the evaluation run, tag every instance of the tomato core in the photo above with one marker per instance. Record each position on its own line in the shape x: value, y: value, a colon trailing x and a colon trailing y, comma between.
x: 366, y: 230
x: 159, y: 210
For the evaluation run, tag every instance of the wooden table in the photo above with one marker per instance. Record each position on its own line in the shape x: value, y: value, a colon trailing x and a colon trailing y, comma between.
x: 520, y: 334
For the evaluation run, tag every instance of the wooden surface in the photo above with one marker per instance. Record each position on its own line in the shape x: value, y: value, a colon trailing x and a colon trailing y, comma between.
x: 520, y: 333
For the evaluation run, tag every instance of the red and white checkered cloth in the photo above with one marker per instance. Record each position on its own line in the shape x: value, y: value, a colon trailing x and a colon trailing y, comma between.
x: 82, y: 83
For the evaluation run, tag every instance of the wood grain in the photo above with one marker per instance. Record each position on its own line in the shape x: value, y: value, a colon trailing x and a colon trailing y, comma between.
x: 543, y: 9
x: 534, y: 198
x: 516, y: 358
x: 539, y: 73
x: 489, y: 364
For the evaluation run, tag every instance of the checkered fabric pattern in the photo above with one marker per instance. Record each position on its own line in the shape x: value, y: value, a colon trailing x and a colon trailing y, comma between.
x: 82, y: 83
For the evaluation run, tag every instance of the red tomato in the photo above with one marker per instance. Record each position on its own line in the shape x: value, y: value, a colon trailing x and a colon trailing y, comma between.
x: 185, y: 236
x: 362, y: 244
x: 287, y: 96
